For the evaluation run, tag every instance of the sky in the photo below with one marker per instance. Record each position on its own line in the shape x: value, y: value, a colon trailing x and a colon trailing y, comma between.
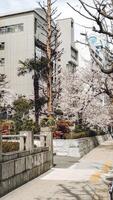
x: 16, y: 5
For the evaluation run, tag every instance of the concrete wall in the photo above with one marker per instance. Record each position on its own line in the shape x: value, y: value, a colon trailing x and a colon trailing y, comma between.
x: 19, y: 167
x: 77, y: 147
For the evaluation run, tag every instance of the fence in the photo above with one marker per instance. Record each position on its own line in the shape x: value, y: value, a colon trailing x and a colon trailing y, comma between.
x: 17, y: 168
x: 26, y: 139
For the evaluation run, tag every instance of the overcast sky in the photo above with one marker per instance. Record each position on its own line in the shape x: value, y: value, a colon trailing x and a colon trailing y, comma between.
x: 15, y: 5
x: 66, y: 11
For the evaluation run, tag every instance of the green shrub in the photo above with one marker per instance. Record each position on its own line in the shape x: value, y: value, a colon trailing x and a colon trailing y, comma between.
x: 101, y: 132
x: 74, y: 135
x: 47, y: 122
x: 51, y: 122
x: 58, y: 112
x: 91, y: 132
x: 82, y: 134
x: 78, y: 129
x: 10, y: 146
x: 28, y: 125
x: 43, y: 122
x: 94, y: 132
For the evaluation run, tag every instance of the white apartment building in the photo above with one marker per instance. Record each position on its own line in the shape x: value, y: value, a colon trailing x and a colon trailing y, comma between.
x: 66, y: 65
x: 20, y: 38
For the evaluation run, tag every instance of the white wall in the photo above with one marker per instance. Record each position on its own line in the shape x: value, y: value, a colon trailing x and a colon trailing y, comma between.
x: 77, y: 147
x: 18, y: 46
x: 65, y: 29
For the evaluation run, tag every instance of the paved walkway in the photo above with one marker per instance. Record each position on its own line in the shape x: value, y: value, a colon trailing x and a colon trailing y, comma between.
x: 80, y: 181
x: 64, y: 161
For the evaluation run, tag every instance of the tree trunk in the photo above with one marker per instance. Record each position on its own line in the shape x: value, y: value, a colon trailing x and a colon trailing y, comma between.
x: 49, y: 93
x: 36, y: 98
x: 49, y: 82
x: 80, y: 119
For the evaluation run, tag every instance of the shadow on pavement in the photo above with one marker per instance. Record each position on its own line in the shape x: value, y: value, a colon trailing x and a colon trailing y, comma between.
x: 109, y: 147
x: 79, y: 191
x: 86, y: 192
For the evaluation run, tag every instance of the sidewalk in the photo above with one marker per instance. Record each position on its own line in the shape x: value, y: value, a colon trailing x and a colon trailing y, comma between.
x: 80, y: 181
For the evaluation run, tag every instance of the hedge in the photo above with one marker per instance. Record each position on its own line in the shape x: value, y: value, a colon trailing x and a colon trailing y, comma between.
x: 81, y: 134
x: 9, y: 146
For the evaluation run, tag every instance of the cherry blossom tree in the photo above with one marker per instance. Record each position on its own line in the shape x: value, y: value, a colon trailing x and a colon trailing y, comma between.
x: 88, y: 96
x: 100, y: 13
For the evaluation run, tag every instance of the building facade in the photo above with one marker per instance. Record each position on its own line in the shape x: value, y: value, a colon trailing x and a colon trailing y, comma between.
x: 66, y: 65
x: 100, y: 49
x: 21, y: 38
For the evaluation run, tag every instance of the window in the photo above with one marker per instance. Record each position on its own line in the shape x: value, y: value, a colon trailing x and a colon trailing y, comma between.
x: 35, y: 25
x: 38, y: 52
x: 74, y: 53
x: 72, y: 24
x: 20, y: 27
x: 59, y: 66
x: 59, y: 71
x: 2, y: 61
x: 2, y: 30
x: 2, y: 45
x: 11, y: 28
x: 100, y: 59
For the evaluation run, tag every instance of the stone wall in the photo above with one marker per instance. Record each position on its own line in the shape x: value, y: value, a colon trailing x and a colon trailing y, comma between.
x: 19, y: 167
x: 77, y: 147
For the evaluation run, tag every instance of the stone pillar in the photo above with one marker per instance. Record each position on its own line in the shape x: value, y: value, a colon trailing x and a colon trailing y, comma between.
x: 43, y: 140
x: 22, y: 144
x: 43, y: 134
x: 28, y: 140
x: 49, y: 141
x: 0, y: 147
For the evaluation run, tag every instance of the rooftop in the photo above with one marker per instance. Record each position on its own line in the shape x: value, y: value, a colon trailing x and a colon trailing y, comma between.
x: 18, y: 12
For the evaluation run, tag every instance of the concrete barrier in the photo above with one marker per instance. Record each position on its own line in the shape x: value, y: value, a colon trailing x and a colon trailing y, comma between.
x: 77, y: 147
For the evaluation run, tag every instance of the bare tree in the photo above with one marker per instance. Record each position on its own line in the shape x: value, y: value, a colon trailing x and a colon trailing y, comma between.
x: 52, y: 35
x: 49, y: 54
x: 43, y: 67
